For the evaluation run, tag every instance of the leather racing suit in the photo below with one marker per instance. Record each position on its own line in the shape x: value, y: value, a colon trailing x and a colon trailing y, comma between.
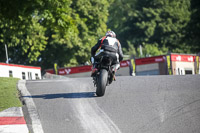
x: 110, y: 46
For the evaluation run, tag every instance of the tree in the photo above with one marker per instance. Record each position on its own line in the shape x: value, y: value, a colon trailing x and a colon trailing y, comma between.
x: 154, y: 24
x: 42, y: 32
x: 193, y: 28
x: 89, y: 22
x: 26, y: 40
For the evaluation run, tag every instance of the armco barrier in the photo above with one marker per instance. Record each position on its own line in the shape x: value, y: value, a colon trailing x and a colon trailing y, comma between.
x: 85, y: 71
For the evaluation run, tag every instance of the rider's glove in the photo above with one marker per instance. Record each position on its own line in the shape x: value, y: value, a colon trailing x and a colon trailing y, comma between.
x: 92, y: 60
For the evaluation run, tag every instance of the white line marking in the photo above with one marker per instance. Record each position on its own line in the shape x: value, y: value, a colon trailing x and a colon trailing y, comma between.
x: 92, y: 118
x: 22, y: 128
x: 36, y: 124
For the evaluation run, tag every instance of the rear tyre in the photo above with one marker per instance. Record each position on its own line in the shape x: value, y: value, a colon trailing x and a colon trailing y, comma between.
x: 101, y: 82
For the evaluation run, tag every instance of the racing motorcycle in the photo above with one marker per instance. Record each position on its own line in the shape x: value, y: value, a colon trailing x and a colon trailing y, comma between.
x: 104, y: 74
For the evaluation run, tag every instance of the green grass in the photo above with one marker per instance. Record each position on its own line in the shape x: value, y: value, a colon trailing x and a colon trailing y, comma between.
x: 9, y: 96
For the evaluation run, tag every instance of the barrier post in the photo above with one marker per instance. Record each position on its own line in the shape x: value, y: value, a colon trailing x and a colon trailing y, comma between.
x: 197, y: 65
x: 56, y: 68
x: 133, y: 67
x: 169, y: 65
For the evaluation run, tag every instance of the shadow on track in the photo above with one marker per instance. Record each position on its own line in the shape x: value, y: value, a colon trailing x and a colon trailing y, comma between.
x: 65, y: 95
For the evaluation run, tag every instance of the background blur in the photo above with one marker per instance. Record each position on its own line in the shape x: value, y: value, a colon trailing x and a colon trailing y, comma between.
x: 44, y: 32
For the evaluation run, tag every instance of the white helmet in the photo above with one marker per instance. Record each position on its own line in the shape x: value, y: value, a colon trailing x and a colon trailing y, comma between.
x: 111, y: 34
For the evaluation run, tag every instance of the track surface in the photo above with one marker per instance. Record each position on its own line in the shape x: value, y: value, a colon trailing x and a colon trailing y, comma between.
x: 151, y: 104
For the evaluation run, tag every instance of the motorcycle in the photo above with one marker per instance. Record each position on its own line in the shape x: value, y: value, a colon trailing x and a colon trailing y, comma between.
x: 104, y: 74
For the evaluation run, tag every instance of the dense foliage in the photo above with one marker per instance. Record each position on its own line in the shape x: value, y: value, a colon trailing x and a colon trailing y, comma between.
x: 43, y: 32
x: 159, y: 26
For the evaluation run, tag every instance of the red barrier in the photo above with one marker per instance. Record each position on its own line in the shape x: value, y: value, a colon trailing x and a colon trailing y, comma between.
x: 71, y: 70
x: 81, y: 69
x: 149, y: 60
x: 125, y: 63
x: 183, y: 58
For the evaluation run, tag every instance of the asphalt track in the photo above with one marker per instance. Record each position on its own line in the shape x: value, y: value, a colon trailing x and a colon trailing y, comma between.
x: 141, y: 104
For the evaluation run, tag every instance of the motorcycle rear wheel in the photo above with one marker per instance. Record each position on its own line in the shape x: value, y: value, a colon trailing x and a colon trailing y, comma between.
x: 101, y: 82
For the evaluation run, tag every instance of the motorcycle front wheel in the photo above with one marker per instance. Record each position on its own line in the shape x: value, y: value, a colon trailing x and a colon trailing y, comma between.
x: 101, y: 82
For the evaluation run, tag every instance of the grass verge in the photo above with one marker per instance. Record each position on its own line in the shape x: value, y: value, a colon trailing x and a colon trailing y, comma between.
x: 9, y: 95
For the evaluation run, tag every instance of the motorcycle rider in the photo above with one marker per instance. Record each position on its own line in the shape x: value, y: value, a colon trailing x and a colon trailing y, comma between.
x: 108, y: 45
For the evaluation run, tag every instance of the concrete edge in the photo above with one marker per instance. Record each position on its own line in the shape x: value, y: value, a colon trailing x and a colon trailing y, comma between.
x: 36, y: 125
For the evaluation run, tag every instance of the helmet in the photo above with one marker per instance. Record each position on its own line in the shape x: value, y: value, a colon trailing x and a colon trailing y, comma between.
x: 111, y: 34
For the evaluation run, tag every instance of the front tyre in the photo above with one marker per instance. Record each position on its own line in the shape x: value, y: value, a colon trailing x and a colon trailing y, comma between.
x: 101, y: 82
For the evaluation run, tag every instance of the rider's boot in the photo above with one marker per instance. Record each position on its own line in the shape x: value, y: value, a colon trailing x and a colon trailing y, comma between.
x: 114, y: 78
